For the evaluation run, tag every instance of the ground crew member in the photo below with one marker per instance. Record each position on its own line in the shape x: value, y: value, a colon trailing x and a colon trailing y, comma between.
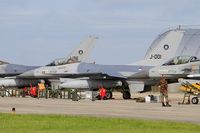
x: 41, y: 88
x: 25, y: 91
x: 102, y: 93
x: 163, y: 85
x: 33, y: 91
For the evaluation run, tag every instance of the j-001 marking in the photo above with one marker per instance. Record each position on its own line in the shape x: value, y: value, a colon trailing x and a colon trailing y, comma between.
x: 156, y: 56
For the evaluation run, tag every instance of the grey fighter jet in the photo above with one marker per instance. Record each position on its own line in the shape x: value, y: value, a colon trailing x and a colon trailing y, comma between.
x: 81, y: 53
x: 92, y: 75
x: 130, y: 78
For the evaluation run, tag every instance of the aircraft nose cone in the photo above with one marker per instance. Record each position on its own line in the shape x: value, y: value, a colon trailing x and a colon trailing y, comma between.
x: 28, y: 74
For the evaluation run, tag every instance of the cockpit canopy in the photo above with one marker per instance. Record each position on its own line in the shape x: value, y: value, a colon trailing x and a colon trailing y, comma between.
x: 63, y: 61
x: 181, y: 60
x: 3, y: 62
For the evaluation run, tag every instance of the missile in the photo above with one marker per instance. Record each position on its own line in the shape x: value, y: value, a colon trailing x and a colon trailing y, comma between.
x: 88, y: 84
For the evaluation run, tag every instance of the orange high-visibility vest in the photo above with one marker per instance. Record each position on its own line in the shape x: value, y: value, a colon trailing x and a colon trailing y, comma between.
x: 102, y: 92
x: 41, y: 86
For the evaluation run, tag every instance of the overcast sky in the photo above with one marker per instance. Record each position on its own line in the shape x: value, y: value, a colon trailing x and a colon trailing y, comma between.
x: 34, y: 32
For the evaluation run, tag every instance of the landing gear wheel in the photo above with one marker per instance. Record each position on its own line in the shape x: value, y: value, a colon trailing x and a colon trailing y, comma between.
x: 126, y: 95
x: 195, y: 100
x: 109, y: 95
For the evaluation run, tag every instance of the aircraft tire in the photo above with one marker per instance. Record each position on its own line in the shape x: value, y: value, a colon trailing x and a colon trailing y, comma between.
x: 195, y: 100
x: 126, y: 95
x: 109, y: 95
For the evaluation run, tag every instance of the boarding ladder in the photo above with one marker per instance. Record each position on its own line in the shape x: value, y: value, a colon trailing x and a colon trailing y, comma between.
x: 190, y: 90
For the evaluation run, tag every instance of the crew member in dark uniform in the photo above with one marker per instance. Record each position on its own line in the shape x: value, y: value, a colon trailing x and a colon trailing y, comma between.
x: 163, y: 85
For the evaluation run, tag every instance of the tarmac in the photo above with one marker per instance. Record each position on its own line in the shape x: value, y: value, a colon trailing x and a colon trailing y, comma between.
x: 105, y: 108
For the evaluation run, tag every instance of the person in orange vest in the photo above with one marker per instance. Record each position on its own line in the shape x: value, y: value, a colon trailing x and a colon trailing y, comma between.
x: 33, y: 91
x: 102, y: 93
x: 41, y: 88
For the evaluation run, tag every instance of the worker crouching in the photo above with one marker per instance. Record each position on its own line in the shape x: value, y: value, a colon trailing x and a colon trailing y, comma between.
x: 102, y: 93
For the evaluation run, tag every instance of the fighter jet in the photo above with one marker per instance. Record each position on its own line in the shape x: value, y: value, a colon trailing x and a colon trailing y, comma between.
x: 130, y: 78
x: 81, y: 53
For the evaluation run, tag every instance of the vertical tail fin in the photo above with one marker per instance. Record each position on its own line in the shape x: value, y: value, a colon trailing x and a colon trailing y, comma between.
x: 83, y: 51
x: 164, y: 47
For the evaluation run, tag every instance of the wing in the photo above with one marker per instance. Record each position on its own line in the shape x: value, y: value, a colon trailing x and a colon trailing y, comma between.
x: 88, y: 75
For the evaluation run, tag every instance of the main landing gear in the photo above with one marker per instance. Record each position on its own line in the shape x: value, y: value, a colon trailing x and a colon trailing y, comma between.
x: 126, y: 95
x: 109, y: 95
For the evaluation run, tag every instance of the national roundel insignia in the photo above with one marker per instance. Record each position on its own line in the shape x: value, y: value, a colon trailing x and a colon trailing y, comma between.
x: 166, y: 46
x: 80, y: 52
